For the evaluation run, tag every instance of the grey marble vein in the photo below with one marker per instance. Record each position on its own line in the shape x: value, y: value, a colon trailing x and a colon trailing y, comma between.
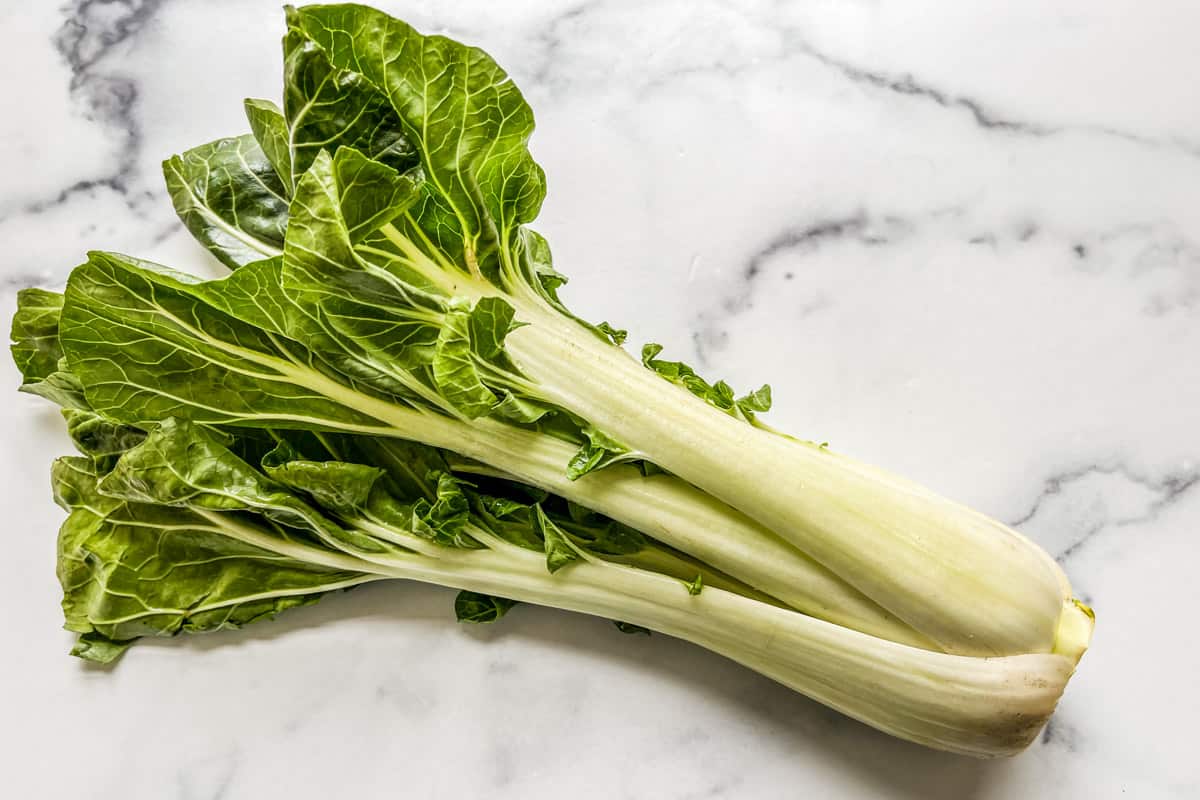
x: 1166, y: 490
x: 91, y: 31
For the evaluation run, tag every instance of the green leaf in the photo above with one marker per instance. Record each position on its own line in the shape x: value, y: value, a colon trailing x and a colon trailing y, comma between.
x: 98, y: 648
x: 35, y: 347
x: 327, y: 107
x: 370, y: 194
x: 342, y: 488
x: 444, y: 520
x: 392, y: 318
x: 559, y: 550
x: 719, y: 394
x: 146, y: 348
x: 755, y: 402
x: 599, y: 450
x: 461, y: 112
x: 454, y: 367
x: 480, y: 608
x: 490, y: 321
x: 411, y: 470
x: 130, y: 570
x: 187, y: 465
x: 616, y: 335
x: 522, y: 410
x: 694, y: 587
x: 99, y: 438
x: 228, y: 195
x: 271, y: 132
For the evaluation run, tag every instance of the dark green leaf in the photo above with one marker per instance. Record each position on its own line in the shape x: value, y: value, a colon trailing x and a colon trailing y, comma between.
x: 327, y: 107
x: 229, y: 197
x: 480, y: 608
x: 99, y: 438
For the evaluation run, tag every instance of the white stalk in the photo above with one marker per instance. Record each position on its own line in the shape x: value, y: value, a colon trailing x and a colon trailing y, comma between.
x: 967, y: 582
x: 976, y: 706
x: 662, y: 506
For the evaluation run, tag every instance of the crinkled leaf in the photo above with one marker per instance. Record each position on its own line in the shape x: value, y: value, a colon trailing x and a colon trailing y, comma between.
x: 455, y: 369
x: 130, y: 570
x: 186, y: 465
x: 756, y: 402
x: 719, y: 394
x: 444, y: 520
x: 599, y: 450
x: 100, y: 438
x: 616, y: 335
x: 341, y: 487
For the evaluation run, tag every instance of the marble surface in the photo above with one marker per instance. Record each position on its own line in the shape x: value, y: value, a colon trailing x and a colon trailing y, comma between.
x: 960, y: 240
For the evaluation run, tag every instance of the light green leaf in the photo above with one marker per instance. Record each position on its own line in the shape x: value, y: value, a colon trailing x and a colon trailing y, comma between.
x: 271, y: 132
x: 559, y: 550
x: 454, y: 366
x: 599, y: 450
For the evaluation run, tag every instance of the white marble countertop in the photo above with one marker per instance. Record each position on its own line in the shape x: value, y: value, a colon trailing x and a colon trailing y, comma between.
x: 960, y: 240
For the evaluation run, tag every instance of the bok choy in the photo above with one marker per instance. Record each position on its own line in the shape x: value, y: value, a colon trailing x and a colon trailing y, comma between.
x: 387, y: 385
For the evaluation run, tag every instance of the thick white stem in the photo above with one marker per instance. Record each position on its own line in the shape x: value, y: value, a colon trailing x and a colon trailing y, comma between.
x: 967, y: 582
x: 662, y: 506
x: 976, y: 706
